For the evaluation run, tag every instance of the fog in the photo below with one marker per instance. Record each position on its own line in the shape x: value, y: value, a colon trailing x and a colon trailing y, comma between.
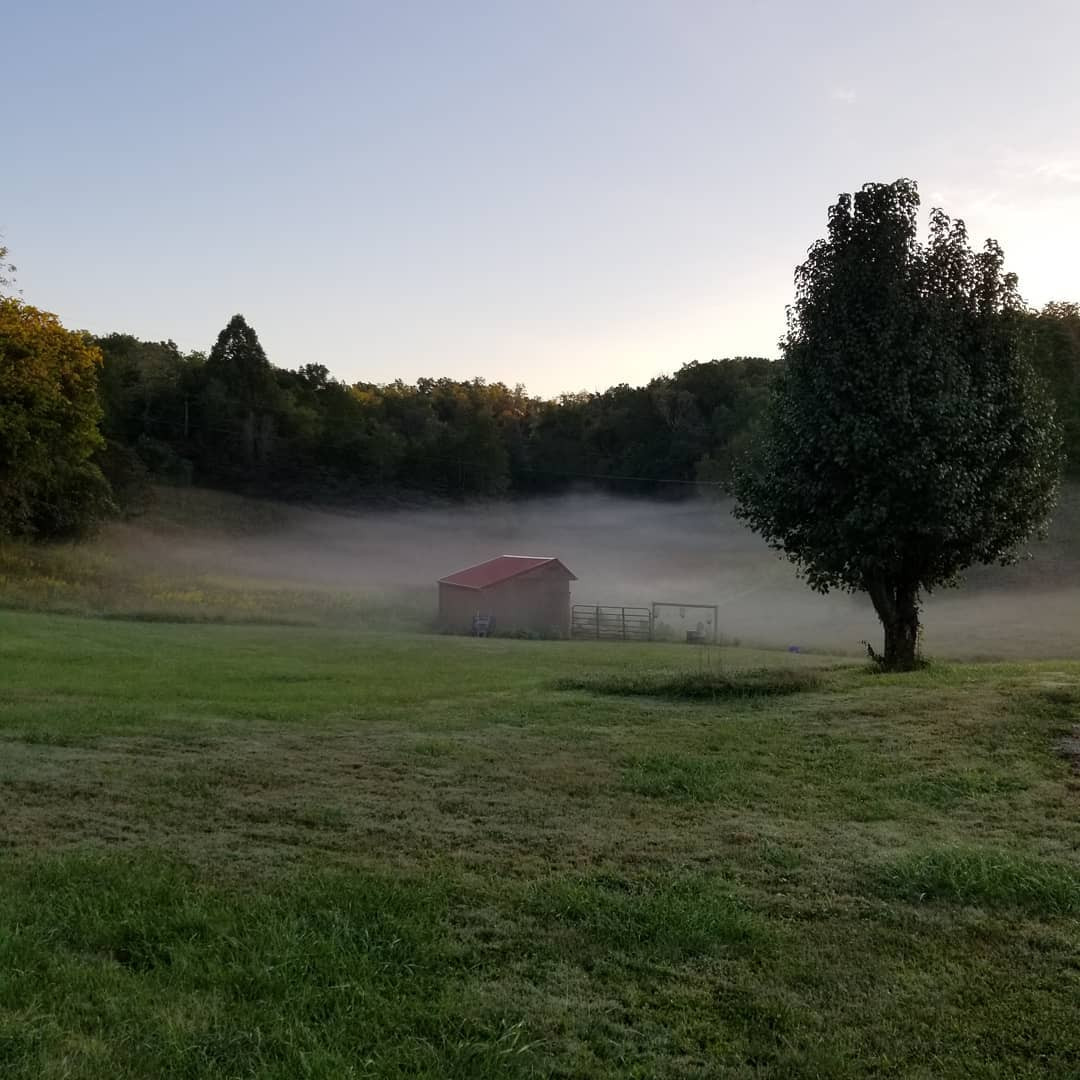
x: 624, y: 552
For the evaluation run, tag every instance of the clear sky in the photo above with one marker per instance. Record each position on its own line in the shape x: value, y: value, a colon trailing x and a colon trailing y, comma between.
x: 564, y: 194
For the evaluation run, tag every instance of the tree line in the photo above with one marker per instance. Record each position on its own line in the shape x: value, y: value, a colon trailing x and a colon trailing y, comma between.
x: 142, y: 412
x: 230, y: 418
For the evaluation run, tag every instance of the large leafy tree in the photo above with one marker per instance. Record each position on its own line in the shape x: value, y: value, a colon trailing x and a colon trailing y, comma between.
x: 907, y: 436
x: 49, y: 484
x: 142, y: 387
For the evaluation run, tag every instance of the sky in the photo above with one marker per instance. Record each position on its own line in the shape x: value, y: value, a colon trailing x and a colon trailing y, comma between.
x: 566, y: 195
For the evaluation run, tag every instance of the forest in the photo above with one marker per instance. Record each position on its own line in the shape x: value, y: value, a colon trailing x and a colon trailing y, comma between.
x: 231, y: 419
x: 137, y: 413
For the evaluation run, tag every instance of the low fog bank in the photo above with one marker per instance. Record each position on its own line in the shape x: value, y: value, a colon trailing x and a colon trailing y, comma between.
x: 624, y: 552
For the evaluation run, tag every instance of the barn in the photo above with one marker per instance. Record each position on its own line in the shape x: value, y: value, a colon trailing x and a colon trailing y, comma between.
x: 519, y: 592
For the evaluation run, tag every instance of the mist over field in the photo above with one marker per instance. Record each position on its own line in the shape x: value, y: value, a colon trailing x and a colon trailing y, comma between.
x: 623, y: 551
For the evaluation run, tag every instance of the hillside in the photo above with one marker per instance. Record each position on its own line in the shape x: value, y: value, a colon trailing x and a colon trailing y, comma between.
x: 203, y: 555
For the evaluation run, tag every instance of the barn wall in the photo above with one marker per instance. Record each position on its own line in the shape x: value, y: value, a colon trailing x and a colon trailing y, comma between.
x: 537, y: 602
x: 457, y: 606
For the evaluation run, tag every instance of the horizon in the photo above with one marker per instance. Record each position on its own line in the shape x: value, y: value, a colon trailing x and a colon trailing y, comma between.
x: 565, y: 200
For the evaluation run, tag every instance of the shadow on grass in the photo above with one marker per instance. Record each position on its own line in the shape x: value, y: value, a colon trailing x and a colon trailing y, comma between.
x: 697, y: 685
x: 199, y: 618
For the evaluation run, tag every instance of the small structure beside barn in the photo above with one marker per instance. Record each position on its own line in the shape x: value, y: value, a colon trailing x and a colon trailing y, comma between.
x: 511, y: 593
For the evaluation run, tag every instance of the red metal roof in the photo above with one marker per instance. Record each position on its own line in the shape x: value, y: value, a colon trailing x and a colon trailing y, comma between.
x: 499, y: 569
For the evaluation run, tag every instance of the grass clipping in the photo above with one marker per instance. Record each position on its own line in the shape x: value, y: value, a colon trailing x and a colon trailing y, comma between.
x: 696, y: 685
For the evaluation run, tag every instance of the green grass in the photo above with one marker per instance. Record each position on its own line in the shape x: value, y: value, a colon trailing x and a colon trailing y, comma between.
x: 675, y: 776
x: 204, y: 556
x: 103, y: 582
x: 238, y: 851
x: 992, y: 879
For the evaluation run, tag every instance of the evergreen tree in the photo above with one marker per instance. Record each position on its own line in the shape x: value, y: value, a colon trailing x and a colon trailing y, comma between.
x: 240, y: 397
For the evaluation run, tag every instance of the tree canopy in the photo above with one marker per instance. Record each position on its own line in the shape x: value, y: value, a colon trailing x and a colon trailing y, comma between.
x: 7, y: 272
x: 1055, y: 350
x: 908, y: 435
x: 50, y: 485
x: 235, y: 420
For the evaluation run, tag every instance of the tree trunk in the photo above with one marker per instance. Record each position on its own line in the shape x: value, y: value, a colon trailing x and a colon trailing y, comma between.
x: 898, y: 609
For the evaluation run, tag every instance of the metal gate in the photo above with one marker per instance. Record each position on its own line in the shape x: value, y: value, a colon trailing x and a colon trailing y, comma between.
x: 610, y: 623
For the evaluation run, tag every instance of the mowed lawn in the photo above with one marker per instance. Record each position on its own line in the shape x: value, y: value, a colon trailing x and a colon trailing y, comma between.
x: 281, y: 852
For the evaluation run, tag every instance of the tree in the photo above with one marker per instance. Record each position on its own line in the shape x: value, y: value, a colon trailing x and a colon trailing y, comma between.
x: 246, y: 397
x: 239, y: 361
x: 141, y: 387
x: 146, y: 389
x: 7, y: 272
x: 1057, y: 357
x: 50, y: 485
x: 907, y: 436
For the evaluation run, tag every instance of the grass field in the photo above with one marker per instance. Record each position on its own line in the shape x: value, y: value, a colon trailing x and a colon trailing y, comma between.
x: 255, y: 851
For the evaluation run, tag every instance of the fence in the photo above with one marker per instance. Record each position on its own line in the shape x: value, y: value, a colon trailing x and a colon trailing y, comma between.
x: 610, y: 623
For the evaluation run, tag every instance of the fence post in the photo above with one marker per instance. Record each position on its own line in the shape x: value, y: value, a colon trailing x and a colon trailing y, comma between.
x: 624, y: 624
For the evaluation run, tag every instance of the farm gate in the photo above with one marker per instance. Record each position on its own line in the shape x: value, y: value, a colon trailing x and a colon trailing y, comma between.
x: 610, y: 623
